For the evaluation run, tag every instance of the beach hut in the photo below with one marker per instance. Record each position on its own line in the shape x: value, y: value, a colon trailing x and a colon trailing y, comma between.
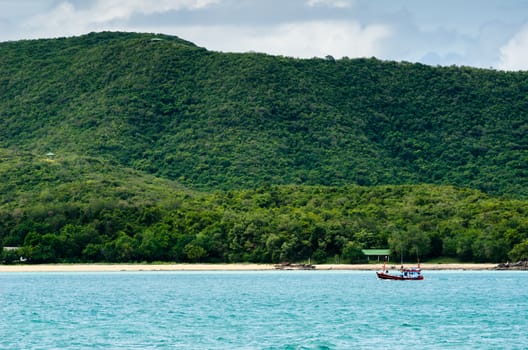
x: 385, y: 253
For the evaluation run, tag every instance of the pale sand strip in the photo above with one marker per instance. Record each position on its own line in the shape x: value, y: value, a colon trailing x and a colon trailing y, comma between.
x: 216, y: 267
x: 374, y: 267
x: 133, y: 267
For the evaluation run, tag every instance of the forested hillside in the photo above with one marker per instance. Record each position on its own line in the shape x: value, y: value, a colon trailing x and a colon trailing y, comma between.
x: 221, y: 121
x: 114, y: 214
x: 143, y: 147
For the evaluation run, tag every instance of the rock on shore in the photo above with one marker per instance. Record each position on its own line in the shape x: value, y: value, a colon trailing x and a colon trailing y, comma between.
x: 519, y: 265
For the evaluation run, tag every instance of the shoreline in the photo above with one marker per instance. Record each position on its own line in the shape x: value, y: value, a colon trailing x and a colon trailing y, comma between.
x: 221, y: 267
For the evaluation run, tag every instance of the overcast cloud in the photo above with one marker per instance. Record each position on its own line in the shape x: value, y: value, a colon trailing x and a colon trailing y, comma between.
x: 490, y: 33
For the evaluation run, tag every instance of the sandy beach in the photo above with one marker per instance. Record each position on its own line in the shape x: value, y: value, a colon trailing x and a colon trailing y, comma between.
x: 215, y: 267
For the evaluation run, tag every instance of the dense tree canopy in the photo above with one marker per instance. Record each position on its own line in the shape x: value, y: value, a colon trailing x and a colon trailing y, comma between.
x: 221, y: 121
x: 113, y: 214
x: 143, y: 147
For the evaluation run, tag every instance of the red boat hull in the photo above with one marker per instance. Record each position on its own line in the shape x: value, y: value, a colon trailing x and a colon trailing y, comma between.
x: 386, y: 276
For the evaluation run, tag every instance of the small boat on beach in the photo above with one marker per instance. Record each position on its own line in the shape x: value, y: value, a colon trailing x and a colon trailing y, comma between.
x: 403, y: 274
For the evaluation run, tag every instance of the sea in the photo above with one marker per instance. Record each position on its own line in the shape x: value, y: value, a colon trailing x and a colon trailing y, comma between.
x: 263, y: 310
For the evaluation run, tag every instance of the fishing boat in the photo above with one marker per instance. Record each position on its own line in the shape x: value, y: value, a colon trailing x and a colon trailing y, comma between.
x: 403, y: 274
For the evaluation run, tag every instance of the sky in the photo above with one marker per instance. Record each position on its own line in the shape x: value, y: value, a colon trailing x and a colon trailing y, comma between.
x: 477, y: 33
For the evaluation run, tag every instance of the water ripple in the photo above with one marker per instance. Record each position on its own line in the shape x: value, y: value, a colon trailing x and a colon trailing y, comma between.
x: 263, y: 310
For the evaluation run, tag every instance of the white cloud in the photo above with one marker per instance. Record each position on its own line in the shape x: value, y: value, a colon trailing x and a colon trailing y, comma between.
x: 514, y: 55
x: 107, y: 10
x: 66, y: 18
x: 304, y: 39
x: 316, y: 38
x: 411, y: 30
x: 331, y: 3
x: 324, y: 38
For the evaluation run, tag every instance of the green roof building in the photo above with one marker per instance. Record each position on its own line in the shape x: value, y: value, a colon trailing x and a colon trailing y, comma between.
x: 385, y: 253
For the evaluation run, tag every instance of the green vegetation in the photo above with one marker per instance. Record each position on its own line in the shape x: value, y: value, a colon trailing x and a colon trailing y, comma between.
x: 161, y: 150
x: 273, y: 224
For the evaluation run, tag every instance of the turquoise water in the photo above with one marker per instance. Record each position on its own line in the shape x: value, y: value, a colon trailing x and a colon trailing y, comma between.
x: 263, y: 310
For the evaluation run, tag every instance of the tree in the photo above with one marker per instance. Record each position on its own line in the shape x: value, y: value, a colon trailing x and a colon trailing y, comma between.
x: 155, y: 243
x: 194, y: 252
x: 352, y: 252
x: 411, y: 242
x: 519, y: 251
x: 125, y: 248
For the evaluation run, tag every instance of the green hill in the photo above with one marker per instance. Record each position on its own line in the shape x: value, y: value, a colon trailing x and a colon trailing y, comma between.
x: 151, y: 139
x: 219, y: 121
